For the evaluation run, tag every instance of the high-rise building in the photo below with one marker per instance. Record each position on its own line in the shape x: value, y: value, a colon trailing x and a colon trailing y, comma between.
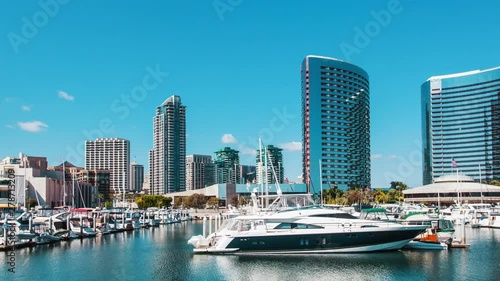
x: 200, y: 171
x: 461, y: 125
x: 227, y: 162
x: 335, y: 124
x: 136, y: 177
x: 274, y: 161
x: 111, y: 154
x: 167, y: 159
x: 97, y: 178
x: 247, y: 174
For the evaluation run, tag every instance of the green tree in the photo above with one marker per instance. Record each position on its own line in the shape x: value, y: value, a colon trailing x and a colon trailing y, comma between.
x: 198, y: 201
x: 234, y: 200
x: 213, y: 202
x: 333, y: 195
x: 353, y: 196
x: 380, y: 196
x: 392, y: 195
x: 149, y: 200
x: 179, y: 201
x: 494, y: 182
x: 243, y: 201
x: 140, y: 203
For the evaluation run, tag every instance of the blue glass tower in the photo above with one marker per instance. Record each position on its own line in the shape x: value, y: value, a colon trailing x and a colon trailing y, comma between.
x: 461, y: 123
x: 335, y: 124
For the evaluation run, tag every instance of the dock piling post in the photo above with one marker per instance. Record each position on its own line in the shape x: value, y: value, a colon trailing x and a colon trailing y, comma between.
x: 209, y: 225
x: 204, y: 227
x: 81, y: 225
x: 463, y: 231
x: 216, y: 223
x: 68, y: 225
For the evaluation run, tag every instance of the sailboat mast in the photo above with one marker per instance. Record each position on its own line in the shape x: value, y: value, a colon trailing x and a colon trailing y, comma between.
x: 64, y: 183
x: 73, y: 194
x: 267, y: 177
x: 261, y: 192
x: 124, y: 177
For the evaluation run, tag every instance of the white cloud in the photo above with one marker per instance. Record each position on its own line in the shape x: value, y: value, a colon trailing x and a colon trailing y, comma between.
x: 228, y: 138
x: 291, y: 146
x: 26, y: 108
x: 33, y: 126
x: 9, y: 99
x: 376, y: 156
x: 9, y: 126
x: 247, y: 150
x: 392, y: 156
x: 66, y: 96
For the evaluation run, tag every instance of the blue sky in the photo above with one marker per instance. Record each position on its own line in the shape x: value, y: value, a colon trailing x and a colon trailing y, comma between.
x: 77, y: 70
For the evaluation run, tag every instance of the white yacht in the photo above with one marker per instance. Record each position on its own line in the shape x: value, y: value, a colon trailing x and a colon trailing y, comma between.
x: 303, y: 230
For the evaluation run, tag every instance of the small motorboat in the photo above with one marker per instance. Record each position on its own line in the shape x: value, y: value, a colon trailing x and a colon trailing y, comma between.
x: 428, y: 241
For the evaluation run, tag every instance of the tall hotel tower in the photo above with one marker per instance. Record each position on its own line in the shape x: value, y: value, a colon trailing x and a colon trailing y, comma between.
x: 167, y: 159
x: 461, y: 125
x: 111, y: 154
x: 335, y: 124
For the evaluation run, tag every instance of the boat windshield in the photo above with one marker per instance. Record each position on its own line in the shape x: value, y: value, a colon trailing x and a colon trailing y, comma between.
x: 445, y: 224
x: 283, y: 202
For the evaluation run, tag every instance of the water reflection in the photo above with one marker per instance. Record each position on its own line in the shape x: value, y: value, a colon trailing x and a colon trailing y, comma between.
x: 163, y: 254
x: 322, y: 267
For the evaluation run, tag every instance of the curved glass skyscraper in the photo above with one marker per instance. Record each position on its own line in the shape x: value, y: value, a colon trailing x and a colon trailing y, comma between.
x: 335, y: 124
x: 461, y: 124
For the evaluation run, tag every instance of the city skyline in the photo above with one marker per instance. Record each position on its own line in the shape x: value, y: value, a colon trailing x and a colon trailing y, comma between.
x: 68, y: 79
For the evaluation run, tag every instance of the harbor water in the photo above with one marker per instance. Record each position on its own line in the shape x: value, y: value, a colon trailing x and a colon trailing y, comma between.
x: 162, y: 253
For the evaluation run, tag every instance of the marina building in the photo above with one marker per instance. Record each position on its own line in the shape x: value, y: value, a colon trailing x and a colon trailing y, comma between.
x: 273, y: 163
x: 227, y: 164
x: 167, y: 159
x: 452, y: 189
x: 200, y: 171
x: 136, y: 177
x: 461, y: 125
x: 111, y: 154
x: 335, y: 124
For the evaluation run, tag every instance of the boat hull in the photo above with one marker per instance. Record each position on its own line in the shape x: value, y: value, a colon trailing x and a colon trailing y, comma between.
x: 314, y: 243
